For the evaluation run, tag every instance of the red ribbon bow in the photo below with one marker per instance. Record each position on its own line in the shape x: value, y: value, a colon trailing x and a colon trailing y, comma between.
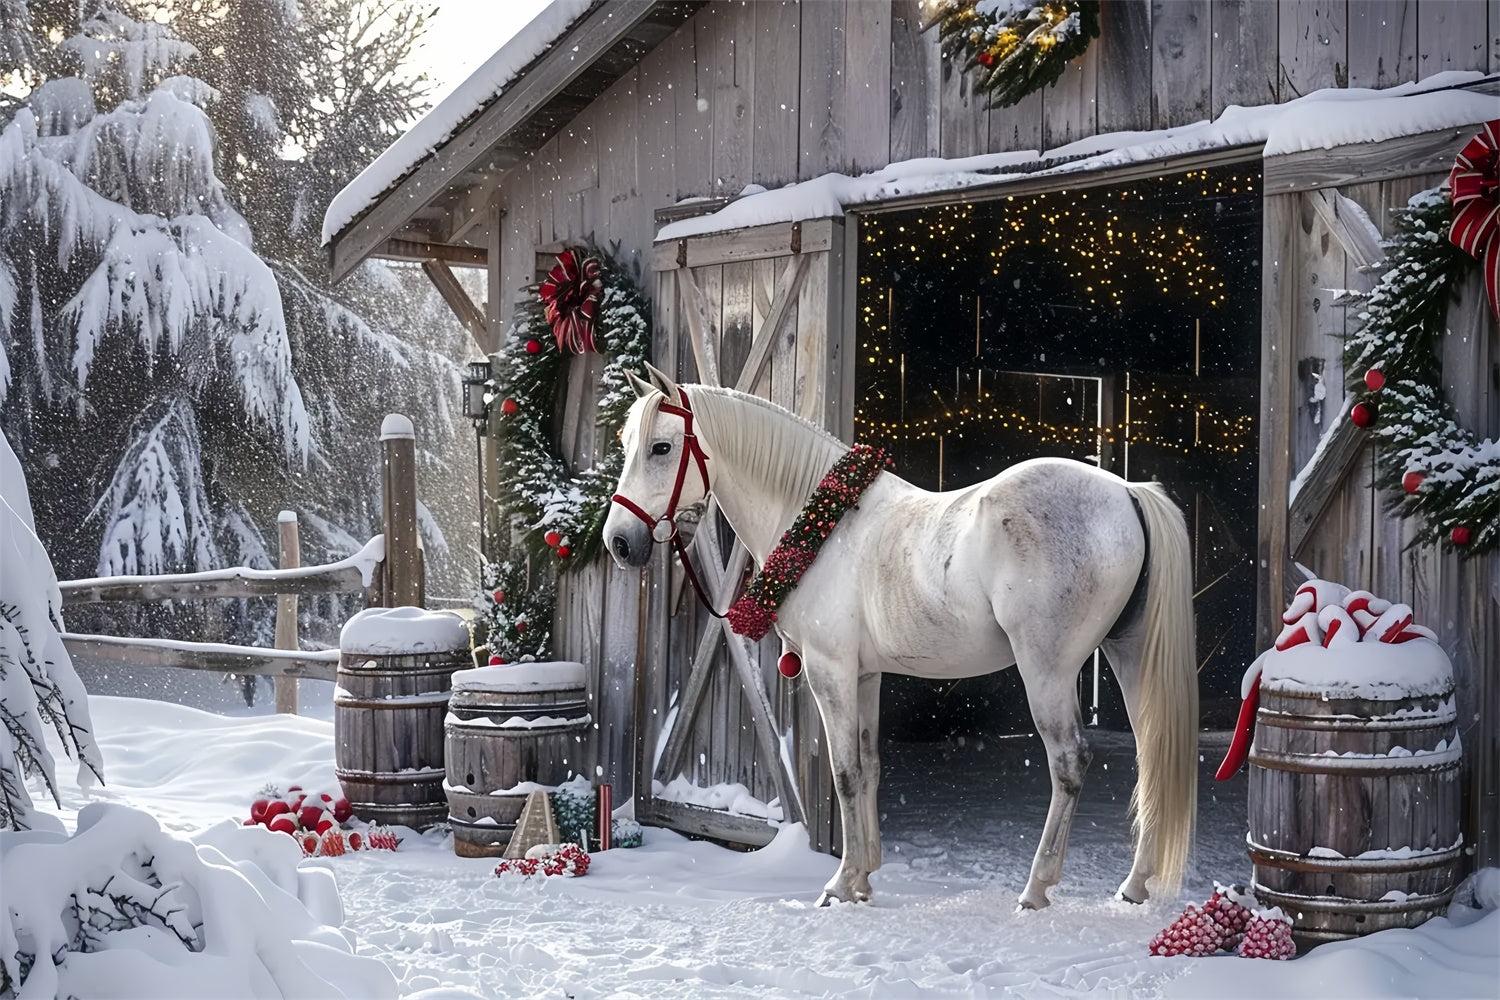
x: 1474, y: 183
x: 570, y: 297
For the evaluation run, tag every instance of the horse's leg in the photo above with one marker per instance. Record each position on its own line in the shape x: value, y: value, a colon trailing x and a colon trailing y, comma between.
x: 869, y: 766
x: 1051, y: 690
x: 1124, y: 653
x: 840, y: 694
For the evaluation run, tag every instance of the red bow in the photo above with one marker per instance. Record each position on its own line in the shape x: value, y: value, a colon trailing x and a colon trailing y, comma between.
x: 570, y: 297
x: 1475, y: 185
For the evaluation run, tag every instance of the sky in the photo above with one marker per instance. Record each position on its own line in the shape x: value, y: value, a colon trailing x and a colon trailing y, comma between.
x: 464, y: 33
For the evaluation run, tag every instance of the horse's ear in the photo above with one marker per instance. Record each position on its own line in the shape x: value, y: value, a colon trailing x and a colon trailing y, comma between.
x: 641, y: 386
x: 665, y: 384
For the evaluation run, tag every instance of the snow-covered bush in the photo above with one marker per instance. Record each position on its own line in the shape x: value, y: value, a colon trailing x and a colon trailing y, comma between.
x: 38, y: 686
x: 122, y: 908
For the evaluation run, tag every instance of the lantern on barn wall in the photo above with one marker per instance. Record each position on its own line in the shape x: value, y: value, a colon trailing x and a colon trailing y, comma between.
x: 476, y: 405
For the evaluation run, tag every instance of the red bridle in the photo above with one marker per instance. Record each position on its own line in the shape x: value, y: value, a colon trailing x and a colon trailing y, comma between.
x: 691, y: 451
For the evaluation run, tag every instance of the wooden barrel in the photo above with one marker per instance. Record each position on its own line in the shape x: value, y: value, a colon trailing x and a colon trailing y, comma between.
x: 388, y: 710
x: 510, y: 730
x: 1354, y: 809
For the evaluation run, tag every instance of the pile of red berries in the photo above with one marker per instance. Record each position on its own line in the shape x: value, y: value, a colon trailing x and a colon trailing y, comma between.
x: 548, y: 859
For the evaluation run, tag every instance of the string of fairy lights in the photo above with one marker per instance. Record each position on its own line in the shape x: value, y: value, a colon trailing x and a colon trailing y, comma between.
x: 1109, y: 250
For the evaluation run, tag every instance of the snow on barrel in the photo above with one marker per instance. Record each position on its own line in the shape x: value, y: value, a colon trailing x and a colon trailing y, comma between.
x: 511, y: 729
x: 1354, y: 771
x: 394, y: 672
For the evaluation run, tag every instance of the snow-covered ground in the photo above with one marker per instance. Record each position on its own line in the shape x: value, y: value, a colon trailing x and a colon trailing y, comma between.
x: 683, y: 918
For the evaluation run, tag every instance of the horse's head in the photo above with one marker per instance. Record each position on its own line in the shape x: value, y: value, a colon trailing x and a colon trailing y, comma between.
x: 664, y: 471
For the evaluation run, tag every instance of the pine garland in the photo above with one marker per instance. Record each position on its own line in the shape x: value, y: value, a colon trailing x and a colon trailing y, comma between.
x: 1017, y: 46
x: 560, y: 513
x: 1434, y: 467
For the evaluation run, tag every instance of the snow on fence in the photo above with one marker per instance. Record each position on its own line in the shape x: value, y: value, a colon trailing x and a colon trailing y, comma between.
x: 389, y: 574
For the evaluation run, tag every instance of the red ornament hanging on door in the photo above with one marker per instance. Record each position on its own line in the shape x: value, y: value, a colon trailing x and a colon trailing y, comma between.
x: 570, y: 300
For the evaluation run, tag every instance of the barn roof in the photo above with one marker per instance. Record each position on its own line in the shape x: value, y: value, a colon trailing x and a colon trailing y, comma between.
x: 421, y: 197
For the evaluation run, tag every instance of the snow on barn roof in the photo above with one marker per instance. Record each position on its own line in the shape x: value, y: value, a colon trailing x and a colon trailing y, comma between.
x: 1323, y: 119
x: 444, y: 120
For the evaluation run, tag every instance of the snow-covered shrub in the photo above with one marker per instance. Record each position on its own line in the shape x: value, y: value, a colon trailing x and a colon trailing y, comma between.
x: 122, y: 908
x: 38, y: 686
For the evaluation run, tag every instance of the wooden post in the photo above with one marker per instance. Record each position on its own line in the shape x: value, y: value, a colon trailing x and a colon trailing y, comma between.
x: 286, y: 609
x: 403, y: 545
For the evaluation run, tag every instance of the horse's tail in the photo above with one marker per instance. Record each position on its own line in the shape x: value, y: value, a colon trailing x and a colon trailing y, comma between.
x: 1166, y: 731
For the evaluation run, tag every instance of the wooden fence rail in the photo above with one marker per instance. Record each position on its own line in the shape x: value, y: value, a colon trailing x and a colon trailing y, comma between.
x: 319, y: 666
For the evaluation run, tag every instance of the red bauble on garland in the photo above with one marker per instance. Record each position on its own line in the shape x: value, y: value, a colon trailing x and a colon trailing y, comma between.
x: 533, y: 346
x: 1374, y: 380
x: 1461, y: 535
x: 790, y: 664
x: 553, y: 539
x: 570, y: 300
x: 563, y: 552
x: 1363, y: 414
x: 499, y: 596
x: 510, y: 407
x: 496, y: 660
x: 1412, y: 481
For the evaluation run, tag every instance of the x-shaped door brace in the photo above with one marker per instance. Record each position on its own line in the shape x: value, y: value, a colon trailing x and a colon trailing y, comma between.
x: 719, y: 579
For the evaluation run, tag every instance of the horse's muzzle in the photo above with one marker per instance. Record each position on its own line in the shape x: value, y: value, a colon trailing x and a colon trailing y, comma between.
x: 629, y: 544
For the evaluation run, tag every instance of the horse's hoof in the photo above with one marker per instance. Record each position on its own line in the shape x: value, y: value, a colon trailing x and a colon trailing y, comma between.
x: 1127, y: 899
x: 1039, y: 901
x: 828, y: 899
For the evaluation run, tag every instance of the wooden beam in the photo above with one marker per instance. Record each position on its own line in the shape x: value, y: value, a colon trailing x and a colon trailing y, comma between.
x: 422, y: 250
x: 786, y: 295
x: 1324, y: 476
x: 1367, y: 162
x: 600, y: 30
x: 1280, y: 287
x: 700, y: 821
x: 470, y: 315
x: 319, y: 666
x: 240, y: 581
x: 286, y: 609
x: 1349, y: 224
x: 777, y: 240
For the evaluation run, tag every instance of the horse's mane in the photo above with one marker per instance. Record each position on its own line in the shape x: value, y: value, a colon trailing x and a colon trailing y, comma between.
x: 778, y: 448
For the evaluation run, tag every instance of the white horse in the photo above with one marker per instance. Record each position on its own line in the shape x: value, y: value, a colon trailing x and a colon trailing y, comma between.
x: 1036, y: 567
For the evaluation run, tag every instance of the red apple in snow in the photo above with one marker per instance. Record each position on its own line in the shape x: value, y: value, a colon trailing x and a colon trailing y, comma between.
x: 309, y: 815
x: 258, y: 810
x: 343, y: 811
x: 276, y: 807
x: 283, y: 823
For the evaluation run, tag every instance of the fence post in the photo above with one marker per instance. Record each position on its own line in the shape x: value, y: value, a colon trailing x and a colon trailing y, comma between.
x: 286, y: 609
x: 403, y: 545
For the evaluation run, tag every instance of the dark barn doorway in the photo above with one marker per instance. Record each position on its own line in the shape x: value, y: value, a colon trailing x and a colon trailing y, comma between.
x: 1118, y: 325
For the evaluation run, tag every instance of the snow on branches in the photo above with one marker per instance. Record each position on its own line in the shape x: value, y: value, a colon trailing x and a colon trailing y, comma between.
x: 38, y: 686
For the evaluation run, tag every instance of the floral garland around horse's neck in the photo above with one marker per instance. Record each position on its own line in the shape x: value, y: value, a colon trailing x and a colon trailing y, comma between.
x: 557, y: 514
x: 1438, y: 469
x: 755, y: 612
x: 1015, y: 48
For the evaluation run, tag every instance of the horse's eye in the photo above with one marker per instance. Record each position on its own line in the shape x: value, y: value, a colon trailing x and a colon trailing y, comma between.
x: 661, y: 447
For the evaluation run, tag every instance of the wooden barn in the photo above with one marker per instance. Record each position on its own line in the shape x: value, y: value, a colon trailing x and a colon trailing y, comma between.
x: 1143, y: 265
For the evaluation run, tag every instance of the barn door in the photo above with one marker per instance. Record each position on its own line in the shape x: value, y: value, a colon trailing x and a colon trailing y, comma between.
x: 729, y: 748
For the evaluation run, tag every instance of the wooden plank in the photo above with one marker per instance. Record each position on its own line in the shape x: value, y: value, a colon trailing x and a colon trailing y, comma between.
x: 867, y: 87
x: 766, y: 331
x: 1366, y: 162
x: 737, y: 320
x: 776, y: 240
x: 416, y: 250
x: 1313, y: 46
x: 775, y: 109
x: 1180, y: 69
x: 290, y: 557
x: 692, y: 122
x: 916, y: 80
x: 1280, y: 287
x: 1070, y: 106
x: 714, y: 824
x: 459, y: 302
x: 1451, y: 35
x: 1245, y: 68
x: 812, y: 342
x: 545, y: 80
x: 820, y: 144
x: 1350, y: 225
x: 237, y: 581
x: 655, y: 121
x: 1494, y: 36
x: 1125, y: 57
x: 1327, y: 477
x: 319, y: 666
x: 963, y: 124
x: 732, y: 94
x: 1382, y: 43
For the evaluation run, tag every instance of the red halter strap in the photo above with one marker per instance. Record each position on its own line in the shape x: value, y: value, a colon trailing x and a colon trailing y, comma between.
x: 691, y: 450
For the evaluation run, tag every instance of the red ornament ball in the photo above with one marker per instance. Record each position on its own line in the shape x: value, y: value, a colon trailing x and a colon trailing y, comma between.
x: 1461, y: 535
x: 1374, y: 380
x: 986, y: 59
x: 790, y: 664
x: 520, y: 627
x: 533, y: 346
x: 499, y: 597
x: 1412, y: 481
x: 496, y: 660
x: 510, y: 407
x: 563, y: 552
x: 553, y: 539
x: 1363, y: 414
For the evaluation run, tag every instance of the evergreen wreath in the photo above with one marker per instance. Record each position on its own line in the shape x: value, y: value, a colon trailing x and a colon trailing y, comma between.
x: 1435, y: 467
x: 1017, y: 46
x: 557, y: 513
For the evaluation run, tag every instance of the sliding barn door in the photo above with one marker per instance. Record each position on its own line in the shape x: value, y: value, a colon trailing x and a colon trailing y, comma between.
x: 729, y: 748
